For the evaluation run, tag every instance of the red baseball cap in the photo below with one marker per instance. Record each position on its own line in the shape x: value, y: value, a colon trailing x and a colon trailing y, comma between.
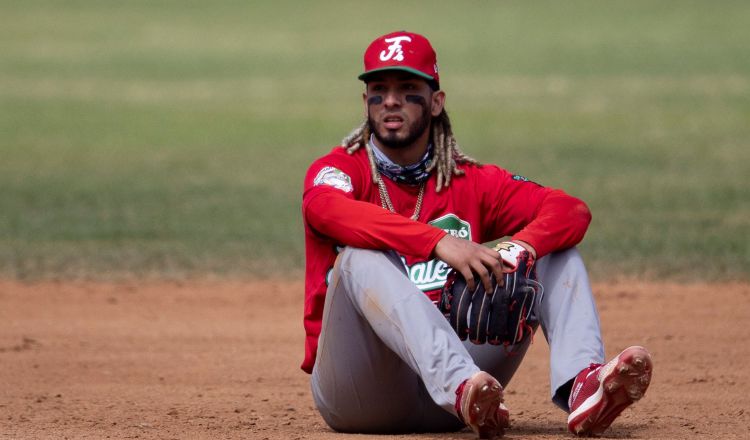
x: 402, y: 50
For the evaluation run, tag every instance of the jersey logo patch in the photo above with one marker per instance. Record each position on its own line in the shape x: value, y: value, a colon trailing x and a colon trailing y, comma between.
x: 453, y: 225
x: 431, y: 275
x: 334, y: 177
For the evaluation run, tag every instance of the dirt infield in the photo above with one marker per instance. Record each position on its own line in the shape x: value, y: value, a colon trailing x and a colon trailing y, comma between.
x: 220, y: 359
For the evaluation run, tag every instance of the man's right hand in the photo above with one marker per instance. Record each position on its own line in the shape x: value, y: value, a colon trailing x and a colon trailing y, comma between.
x: 469, y: 258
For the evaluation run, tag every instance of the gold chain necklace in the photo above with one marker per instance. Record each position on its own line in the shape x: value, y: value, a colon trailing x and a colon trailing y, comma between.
x: 385, y: 199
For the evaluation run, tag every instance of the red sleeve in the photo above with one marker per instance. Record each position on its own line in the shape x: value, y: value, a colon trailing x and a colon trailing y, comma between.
x: 546, y: 218
x: 330, y: 207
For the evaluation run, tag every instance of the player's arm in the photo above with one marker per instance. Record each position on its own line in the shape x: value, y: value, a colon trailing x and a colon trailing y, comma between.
x: 330, y: 208
x: 561, y: 221
x: 543, y: 219
x: 364, y: 225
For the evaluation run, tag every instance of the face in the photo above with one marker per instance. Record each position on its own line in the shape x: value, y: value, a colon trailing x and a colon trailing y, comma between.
x: 399, y: 108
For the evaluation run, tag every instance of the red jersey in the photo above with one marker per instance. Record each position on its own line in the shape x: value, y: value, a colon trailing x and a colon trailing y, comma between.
x: 341, y: 207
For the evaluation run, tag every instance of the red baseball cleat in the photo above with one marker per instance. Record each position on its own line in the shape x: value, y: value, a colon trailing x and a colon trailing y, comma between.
x: 479, y: 404
x: 601, y: 392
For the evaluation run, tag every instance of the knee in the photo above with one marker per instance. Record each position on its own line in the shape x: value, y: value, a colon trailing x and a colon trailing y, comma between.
x: 567, y: 261
x: 353, y: 260
x: 352, y: 257
x: 570, y: 256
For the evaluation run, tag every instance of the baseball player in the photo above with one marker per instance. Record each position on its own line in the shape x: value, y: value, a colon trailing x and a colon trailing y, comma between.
x: 387, y: 215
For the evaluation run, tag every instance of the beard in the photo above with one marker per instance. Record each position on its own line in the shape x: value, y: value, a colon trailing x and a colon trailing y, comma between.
x: 395, y: 140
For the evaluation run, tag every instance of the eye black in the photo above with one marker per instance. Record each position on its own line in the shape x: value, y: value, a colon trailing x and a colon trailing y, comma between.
x: 416, y: 99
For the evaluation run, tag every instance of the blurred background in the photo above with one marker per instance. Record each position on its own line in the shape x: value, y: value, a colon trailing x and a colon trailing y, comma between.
x: 169, y: 139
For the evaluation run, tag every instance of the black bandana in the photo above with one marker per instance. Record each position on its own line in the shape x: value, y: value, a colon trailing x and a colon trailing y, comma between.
x: 413, y: 174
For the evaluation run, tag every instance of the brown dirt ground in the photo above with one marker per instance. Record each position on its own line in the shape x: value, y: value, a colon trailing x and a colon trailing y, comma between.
x: 219, y: 359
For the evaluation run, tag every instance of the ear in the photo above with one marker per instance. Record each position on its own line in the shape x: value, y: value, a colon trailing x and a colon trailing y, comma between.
x: 438, y: 102
x: 364, y: 102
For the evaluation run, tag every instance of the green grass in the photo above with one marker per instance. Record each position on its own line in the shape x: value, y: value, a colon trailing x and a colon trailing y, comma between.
x: 170, y: 138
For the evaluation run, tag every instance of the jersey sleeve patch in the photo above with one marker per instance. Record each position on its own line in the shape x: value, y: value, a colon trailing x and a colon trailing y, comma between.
x: 334, y: 177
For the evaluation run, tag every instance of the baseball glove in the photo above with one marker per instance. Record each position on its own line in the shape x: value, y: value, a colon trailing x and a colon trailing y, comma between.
x: 504, y: 316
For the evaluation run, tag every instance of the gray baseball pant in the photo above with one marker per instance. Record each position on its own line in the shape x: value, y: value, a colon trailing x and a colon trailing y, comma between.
x: 389, y: 362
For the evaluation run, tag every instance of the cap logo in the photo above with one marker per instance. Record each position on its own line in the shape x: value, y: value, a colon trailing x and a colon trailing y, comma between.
x: 395, y: 51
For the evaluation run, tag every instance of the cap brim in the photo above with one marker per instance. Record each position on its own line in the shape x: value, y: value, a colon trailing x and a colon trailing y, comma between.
x: 365, y: 75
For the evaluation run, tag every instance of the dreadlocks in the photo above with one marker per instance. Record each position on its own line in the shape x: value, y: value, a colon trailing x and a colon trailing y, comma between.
x: 447, y: 152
